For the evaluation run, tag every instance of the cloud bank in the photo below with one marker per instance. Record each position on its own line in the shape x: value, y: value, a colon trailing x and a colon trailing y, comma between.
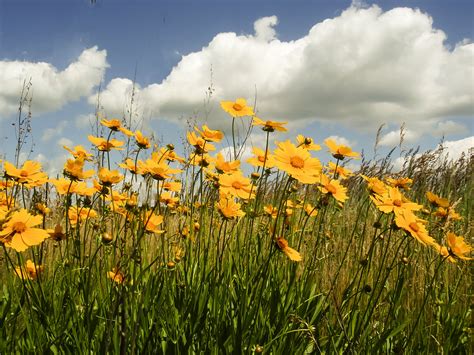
x: 51, y: 88
x: 363, y: 67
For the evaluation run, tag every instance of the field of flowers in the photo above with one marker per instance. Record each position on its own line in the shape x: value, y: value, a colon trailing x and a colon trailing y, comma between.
x: 136, y: 249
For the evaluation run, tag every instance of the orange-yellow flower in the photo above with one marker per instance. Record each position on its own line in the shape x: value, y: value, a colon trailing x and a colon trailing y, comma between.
x: 340, y: 151
x: 403, y: 183
x: 152, y: 221
x: 210, y: 135
x: 168, y: 199
x: 238, y: 108
x: 103, y: 145
x: 74, y: 169
x: 223, y: 166
x: 413, y: 225
x: 18, y: 232
x: 310, y: 210
x: 334, y: 188
x: 199, y: 143
x: 79, y: 152
x: 458, y: 246
x: 394, y: 201
x: 291, y: 253
x: 375, y: 185
x: 174, y: 186
x: 29, y: 271
x: 116, y: 125
x: 159, y: 171
x: 447, y: 213
x: 30, y: 173
x: 109, y: 177
x: 116, y: 275
x: 339, y: 171
x: 437, y: 201
x: 236, y: 185
x: 80, y: 214
x: 259, y: 159
x: 270, y: 210
x: 297, y: 162
x: 228, y: 208
x: 269, y: 126
x: 142, y: 141
x: 307, y: 142
x: 130, y: 165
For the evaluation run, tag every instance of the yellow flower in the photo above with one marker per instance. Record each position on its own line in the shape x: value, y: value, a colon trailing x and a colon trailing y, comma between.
x: 269, y: 126
x: 236, y: 185
x: 74, y: 169
x: 30, y: 173
x: 223, y: 166
x: 103, y: 145
x: 270, y: 210
x: 291, y: 253
x: 168, y: 199
x: 29, y: 271
x: 259, y: 158
x: 116, y: 276
x: 375, y: 185
x: 80, y: 214
x: 334, y: 188
x: 394, y: 201
x: 228, y: 208
x: 437, y: 201
x: 159, y: 171
x: 42, y: 209
x: 444, y: 252
x: 129, y: 164
x: 199, y: 143
x: 210, y: 135
x: 152, y: 221
x: 141, y: 140
x: 310, y: 210
x: 109, y: 177
x: 116, y: 125
x: 400, y: 182
x: 307, y: 143
x: 458, y: 246
x: 413, y: 225
x: 174, y: 186
x: 447, y: 213
x: 297, y: 162
x: 340, y: 151
x: 238, y: 108
x: 79, y: 152
x: 339, y: 171
x: 167, y: 154
x: 18, y: 232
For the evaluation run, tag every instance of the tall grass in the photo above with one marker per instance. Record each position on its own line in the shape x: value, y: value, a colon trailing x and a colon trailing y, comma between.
x: 209, y: 284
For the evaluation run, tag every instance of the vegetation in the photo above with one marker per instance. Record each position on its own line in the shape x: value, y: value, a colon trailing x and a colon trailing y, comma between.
x: 171, y: 254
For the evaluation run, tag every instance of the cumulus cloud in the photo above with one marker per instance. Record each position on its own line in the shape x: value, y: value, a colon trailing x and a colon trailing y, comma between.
x: 362, y: 68
x: 51, y: 88
x: 393, y: 138
x: 50, y: 133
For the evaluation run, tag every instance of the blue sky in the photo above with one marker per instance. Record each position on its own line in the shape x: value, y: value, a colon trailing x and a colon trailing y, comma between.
x: 329, y: 48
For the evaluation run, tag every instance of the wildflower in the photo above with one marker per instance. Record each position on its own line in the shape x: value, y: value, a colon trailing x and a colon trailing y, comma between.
x: 375, y: 185
x: 210, y: 135
x: 159, y: 171
x: 115, y: 125
x: 413, y: 225
x: 109, y: 177
x: 199, y: 143
x: 130, y: 165
x: 29, y: 271
x: 79, y: 152
x: 297, y: 162
x: 260, y: 158
x: 269, y: 126
x: 340, y: 151
x: 447, y: 213
x: 307, y: 143
x: 174, y: 186
x: 334, y: 188
x: 152, y: 221
x: 310, y: 210
x: 74, y: 169
x: 41, y: 208
x: 105, y: 145
x: 56, y: 233
x: 444, y: 252
x: 228, y: 208
x: 167, y: 154
x: 18, y: 232
x: 168, y: 199
x: 402, y: 183
x: 141, y: 140
x: 116, y: 276
x: 80, y: 214
x: 291, y: 253
x: 394, y: 201
x: 238, y: 108
x: 271, y: 211
x: 223, y: 166
x: 30, y: 173
x: 339, y: 171
x: 236, y: 185
x: 437, y: 201
x: 458, y: 246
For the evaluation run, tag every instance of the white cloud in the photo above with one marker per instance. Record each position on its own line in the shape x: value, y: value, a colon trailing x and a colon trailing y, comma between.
x: 392, y: 139
x: 342, y: 141
x: 448, y: 127
x: 63, y: 141
x: 84, y: 120
x: 363, y: 67
x: 50, y: 133
x: 51, y: 89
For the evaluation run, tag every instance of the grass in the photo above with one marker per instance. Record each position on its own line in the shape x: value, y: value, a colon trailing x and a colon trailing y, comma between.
x: 210, y: 284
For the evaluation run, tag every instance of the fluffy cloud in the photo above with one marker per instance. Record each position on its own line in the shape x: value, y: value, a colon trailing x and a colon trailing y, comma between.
x: 363, y: 67
x: 51, y: 89
x: 393, y: 138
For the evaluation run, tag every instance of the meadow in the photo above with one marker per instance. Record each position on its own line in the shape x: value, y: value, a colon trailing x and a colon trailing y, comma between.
x: 138, y: 249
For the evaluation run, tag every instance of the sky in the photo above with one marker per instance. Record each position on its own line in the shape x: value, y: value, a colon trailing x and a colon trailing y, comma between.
x: 334, y: 68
